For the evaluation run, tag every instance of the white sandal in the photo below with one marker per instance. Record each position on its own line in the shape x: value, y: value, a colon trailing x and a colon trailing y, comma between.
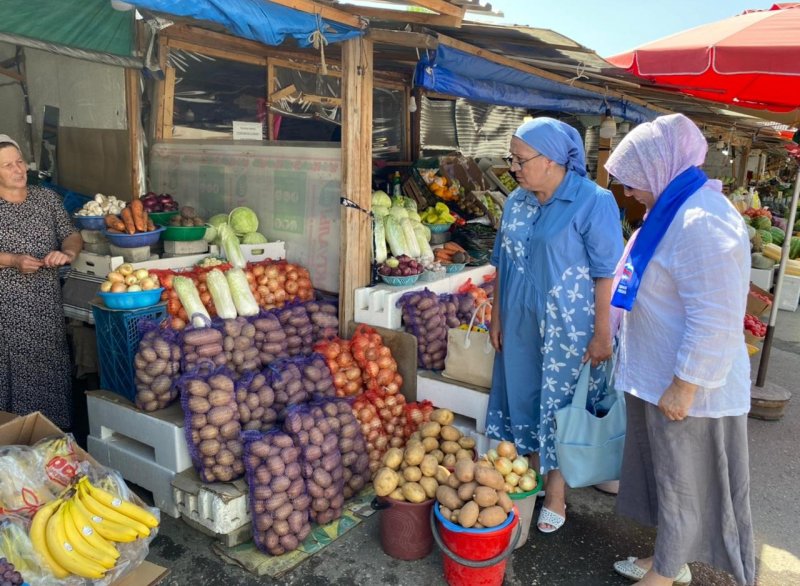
x: 630, y: 570
x: 548, y: 517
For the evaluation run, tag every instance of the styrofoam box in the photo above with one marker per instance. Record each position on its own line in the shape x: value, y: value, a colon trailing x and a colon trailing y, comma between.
x: 96, y: 264
x: 220, y: 507
x: 762, y: 277
x: 453, y: 395
x: 257, y: 252
x: 790, y: 293
x: 377, y: 306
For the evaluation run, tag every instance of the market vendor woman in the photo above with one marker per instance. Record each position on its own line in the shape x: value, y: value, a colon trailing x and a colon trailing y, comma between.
x: 36, y: 237
x: 555, y: 254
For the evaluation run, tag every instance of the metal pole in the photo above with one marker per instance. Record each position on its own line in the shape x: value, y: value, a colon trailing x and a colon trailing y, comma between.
x: 773, y: 315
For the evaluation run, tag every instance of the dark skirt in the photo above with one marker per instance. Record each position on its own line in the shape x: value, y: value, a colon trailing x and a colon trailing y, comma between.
x: 691, y: 480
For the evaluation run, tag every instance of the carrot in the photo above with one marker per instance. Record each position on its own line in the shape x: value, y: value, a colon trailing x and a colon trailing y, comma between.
x: 453, y: 247
x: 150, y: 225
x: 137, y: 211
x: 127, y: 218
x: 115, y: 224
x: 113, y: 231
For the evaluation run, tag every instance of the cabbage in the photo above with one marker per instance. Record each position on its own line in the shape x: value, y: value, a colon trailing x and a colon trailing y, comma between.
x: 190, y: 299
x: 221, y: 294
x: 218, y: 219
x: 241, y: 294
x: 211, y: 234
x: 230, y: 246
x: 379, y: 237
x: 414, y: 216
x: 243, y: 221
x: 398, y: 212
x: 380, y: 211
x: 381, y: 198
x: 254, y: 238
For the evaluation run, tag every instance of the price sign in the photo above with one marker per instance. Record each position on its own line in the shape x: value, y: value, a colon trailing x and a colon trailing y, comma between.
x: 290, y: 202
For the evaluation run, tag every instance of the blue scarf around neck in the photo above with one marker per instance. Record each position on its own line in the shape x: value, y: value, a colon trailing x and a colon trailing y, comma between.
x: 652, y: 231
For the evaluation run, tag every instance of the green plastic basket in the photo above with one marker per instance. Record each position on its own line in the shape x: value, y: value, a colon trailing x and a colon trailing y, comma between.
x: 184, y: 233
x: 515, y: 496
x: 162, y: 218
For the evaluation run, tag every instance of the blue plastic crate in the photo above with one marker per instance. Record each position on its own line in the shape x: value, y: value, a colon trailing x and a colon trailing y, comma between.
x: 118, y: 340
x: 73, y: 201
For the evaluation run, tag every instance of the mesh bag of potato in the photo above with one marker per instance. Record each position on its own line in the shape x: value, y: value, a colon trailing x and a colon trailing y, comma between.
x: 157, y: 366
x: 279, y: 502
x: 315, y: 429
x: 352, y: 445
x: 239, y: 344
x: 270, y: 339
x: 255, y: 401
x: 202, y: 349
x: 324, y: 317
x: 211, y: 424
x: 426, y: 318
x: 298, y: 329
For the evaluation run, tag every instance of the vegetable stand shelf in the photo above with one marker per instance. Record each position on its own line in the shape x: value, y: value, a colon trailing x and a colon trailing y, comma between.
x: 377, y: 306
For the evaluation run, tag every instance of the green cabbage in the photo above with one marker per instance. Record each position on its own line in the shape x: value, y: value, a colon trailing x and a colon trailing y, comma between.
x: 414, y: 216
x: 243, y: 221
x: 218, y: 219
x: 380, y: 211
x: 230, y: 245
x: 221, y: 294
x: 190, y: 299
x: 426, y: 253
x: 394, y: 236
x: 241, y: 294
x: 254, y: 238
x: 398, y: 212
x: 211, y: 234
x: 411, y: 238
x: 379, y: 237
x: 381, y: 198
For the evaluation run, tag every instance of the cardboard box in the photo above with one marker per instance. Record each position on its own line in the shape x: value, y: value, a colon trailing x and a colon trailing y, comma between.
x: 756, y: 306
x: 29, y: 429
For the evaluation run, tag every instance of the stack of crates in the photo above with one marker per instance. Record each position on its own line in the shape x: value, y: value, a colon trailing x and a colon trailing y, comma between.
x: 117, y: 342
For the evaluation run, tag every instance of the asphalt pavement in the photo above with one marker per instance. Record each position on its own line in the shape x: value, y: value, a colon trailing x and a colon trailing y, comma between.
x: 581, y: 553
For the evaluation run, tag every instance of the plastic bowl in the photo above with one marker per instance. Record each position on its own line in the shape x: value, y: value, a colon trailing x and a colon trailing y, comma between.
x: 400, y: 281
x: 90, y: 222
x: 184, y: 233
x: 162, y: 218
x: 438, y: 228
x: 455, y: 267
x: 134, y: 240
x: 459, y: 529
x: 135, y: 300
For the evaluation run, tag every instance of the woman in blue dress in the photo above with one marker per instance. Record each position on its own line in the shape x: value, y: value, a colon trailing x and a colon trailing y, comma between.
x: 555, y: 253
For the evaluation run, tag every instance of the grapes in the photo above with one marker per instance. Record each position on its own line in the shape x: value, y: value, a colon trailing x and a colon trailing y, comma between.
x: 8, y: 575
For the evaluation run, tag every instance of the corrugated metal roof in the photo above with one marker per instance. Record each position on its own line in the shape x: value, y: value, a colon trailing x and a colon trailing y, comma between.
x: 437, y: 126
x: 484, y: 130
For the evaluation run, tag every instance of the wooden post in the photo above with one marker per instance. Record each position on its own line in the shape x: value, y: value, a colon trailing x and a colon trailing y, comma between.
x: 742, y: 175
x: 603, y: 152
x: 356, y: 231
x: 134, y: 113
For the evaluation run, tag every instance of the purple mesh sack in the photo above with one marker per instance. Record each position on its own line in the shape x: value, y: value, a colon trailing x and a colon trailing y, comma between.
x: 352, y: 445
x: 211, y: 423
x: 286, y: 380
x: 425, y: 317
x: 255, y: 400
x: 239, y: 345
x: 279, y: 502
x: 317, y: 377
x: 202, y: 348
x: 324, y: 317
x: 298, y: 329
x: 270, y: 339
x: 157, y: 365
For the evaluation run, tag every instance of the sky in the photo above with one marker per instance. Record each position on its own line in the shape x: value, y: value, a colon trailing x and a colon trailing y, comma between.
x: 614, y: 26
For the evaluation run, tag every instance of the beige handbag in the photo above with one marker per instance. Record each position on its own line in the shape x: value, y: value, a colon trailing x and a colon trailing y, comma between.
x: 470, y: 355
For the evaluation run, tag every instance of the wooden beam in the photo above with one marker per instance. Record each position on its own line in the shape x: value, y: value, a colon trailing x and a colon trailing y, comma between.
x: 355, y: 253
x: 168, y: 103
x: 160, y: 90
x: 282, y: 93
x: 322, y: 100
x: 324, y: 11
x: 403, y: 38
x: 442, y: 7
x: 270, y: 90
x: 133, y: 104
x: 603, y: 152
x: 499, y: 59
x: 12, y: 74
x: 424, y: 18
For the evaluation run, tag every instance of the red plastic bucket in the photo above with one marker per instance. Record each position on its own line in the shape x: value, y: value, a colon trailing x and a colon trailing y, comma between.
x: 475, y: 557
x: 405, y: 528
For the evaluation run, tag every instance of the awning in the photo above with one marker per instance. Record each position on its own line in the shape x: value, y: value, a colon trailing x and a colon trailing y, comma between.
x: 257, y: 20
x: 84, y: 25
x: 454, y: 72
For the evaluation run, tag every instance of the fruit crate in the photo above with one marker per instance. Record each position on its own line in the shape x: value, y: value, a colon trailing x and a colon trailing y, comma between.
x: 117, y: 341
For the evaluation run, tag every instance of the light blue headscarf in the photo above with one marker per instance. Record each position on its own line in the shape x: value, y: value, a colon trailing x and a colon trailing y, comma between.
x: 557, y: 141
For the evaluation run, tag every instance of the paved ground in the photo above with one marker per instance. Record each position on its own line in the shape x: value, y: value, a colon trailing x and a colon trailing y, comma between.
x: 581, y: 553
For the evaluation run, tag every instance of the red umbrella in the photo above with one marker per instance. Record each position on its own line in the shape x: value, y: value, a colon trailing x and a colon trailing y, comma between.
x: 750, y: 60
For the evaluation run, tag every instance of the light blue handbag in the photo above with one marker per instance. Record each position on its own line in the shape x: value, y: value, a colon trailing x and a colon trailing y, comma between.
x: 589, y: 446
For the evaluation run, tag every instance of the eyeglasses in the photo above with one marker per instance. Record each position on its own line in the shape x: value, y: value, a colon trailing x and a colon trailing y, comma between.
x: 628, y: 187
x: 512, y: 160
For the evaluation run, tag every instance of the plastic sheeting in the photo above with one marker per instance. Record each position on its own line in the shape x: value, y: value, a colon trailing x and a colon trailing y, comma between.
x: 454, y: 72
x: 90, y: 25
x: 257, y: 20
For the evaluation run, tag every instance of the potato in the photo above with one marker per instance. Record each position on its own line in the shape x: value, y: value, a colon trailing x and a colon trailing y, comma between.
x: 385, y: 481
x: 492, y: 517
x: 485, y: 496
x: 414, y: 454
x: 438, y: 454
x: 198, y: 405
x: 505, y: 501
x: 468, y: 443
x: 430, y: 444
x: 209, y: 447
x: 442, y: 416
x: 463, y: 454
x: 412, y: 474
x: 429, y: 485
x: 414, y: 493
x: 449, y: 447
x: 429, y: 465
x: 449, y: 460
x: 449, y: 433
x: 393, y: 458
x: 465, y: 470
x: 445, y: 512
x: 466, y: 490
x: 468, y: 515
x: 208, y: 432
x: 416, y: 436
x: 453, y: 481
x: 489, y: 477
x: 442, y: 474
x: 219, y: 416
x: 397, y: 495
x: 448, y: 497
x: 430, y: 429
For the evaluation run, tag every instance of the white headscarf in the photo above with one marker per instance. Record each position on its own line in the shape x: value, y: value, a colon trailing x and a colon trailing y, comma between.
x: 654, y: 153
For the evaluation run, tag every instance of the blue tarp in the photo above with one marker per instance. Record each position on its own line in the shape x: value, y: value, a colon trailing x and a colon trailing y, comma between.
x: 454, y: 72
x: 257, y: 20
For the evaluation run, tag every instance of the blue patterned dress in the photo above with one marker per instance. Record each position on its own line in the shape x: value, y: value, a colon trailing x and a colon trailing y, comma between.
x: 548, y: 257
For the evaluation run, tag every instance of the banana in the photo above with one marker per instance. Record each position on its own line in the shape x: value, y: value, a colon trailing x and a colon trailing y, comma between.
x: 84, y: 525
x: 102, y: 510
x: 64, y: 552
x: 105, y: 528
x: 117, y: 504
x: 38, y: 538
x: 81, y: 544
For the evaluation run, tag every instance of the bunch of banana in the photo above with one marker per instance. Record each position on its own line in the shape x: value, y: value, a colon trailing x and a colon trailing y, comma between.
x: 75, y: 533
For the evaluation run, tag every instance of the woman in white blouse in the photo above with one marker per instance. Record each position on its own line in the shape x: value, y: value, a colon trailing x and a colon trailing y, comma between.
x: 683, y: 361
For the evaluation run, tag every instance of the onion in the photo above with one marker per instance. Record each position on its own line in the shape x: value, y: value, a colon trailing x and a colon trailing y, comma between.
x: 389, y: 428
x: 339, y: 379
x: 385, y: 362
x: 271, y: 272
x: 503, y: 465
x: 381, y: 442
x: 373, y: 435
x: 527, y: 483
x: 385, y: 413
x: 520, y: 465
x: 365, y: 415
x: 392, y: 388
x: 512, y: 479
x: 353, y: 373
x: 352, y: 387
x: 391, y: 401
x: 398, y: 409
